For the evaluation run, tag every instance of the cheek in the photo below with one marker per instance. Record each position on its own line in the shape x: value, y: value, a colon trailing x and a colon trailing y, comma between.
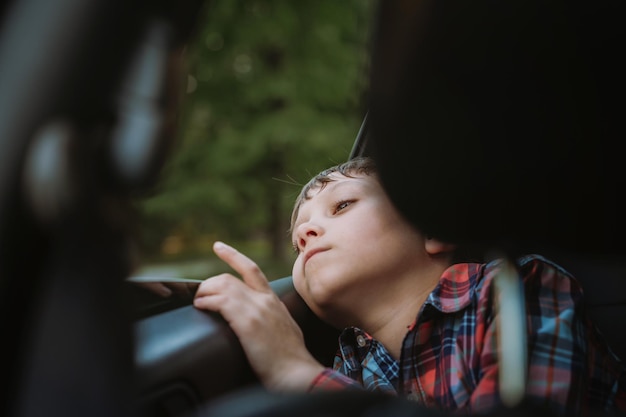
x: 311, y: 285
x: 304, y: 291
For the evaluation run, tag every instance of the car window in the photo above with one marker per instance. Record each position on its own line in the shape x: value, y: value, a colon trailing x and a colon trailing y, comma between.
x: 263, y: 106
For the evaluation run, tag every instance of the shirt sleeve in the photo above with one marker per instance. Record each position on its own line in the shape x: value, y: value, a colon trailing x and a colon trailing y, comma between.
x: 566, y: 360
x: 560, y: 339
x: 331, y: 380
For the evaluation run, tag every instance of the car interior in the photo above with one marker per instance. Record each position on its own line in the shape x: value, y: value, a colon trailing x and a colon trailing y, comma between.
x: 520, y: 115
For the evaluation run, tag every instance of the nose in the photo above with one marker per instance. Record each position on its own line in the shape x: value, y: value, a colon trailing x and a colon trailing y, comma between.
x: 306, y: 232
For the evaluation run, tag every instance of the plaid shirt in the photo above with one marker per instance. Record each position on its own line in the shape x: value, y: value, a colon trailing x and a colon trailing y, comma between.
x: 449, y: 355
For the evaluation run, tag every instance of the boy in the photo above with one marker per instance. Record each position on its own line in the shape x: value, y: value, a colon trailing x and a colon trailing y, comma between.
x: 414, y: 322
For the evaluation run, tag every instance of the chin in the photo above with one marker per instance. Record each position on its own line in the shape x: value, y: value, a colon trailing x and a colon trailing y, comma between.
x: 305, y: 288
x: 318, y: 298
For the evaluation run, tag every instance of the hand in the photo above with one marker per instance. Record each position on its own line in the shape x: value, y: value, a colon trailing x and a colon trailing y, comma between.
x: 270, y: 337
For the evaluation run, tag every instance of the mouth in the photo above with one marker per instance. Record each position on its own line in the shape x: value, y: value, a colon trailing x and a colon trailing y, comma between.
x: 312, y: 253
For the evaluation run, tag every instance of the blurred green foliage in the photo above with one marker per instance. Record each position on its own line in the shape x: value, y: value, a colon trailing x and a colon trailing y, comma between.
x: 275, y: 92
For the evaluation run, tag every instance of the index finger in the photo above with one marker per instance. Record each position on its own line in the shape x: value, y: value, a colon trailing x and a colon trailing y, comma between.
x: 246, y: 267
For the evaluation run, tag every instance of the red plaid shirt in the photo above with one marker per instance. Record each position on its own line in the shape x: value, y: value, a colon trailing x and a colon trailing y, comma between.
x: 449, y: 356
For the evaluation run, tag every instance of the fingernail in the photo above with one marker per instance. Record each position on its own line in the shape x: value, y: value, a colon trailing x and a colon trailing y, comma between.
x: 219, y: 245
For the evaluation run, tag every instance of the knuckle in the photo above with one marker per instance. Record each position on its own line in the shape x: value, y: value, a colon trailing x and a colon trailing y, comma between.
x: 251, y: 323
x: 224, y: 281
x: 253, y: 269
x: 216, y: 283
x: 267, y: 301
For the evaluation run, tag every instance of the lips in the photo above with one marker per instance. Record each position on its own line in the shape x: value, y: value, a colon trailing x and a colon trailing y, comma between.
x: 309, y: 254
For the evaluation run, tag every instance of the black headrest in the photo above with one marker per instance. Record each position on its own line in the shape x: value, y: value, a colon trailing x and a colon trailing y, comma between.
x: 499, y: 123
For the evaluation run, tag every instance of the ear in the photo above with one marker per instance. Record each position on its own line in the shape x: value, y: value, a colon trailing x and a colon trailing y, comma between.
x: 437, y: 247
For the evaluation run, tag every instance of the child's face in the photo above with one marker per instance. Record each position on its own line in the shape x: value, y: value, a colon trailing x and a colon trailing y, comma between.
x: 352, y: 244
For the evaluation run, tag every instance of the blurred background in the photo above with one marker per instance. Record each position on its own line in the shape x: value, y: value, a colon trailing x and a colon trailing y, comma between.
x: 275, y: 91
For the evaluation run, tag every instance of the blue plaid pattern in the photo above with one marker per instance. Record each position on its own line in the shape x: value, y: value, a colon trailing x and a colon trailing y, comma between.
x: 450, y: 354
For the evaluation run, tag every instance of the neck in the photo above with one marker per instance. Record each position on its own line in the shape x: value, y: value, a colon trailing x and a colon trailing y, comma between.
x: 385, y: 308
x: 390, y: 326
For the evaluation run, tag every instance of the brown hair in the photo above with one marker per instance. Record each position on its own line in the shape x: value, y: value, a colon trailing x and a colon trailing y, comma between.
x: 356, y: 166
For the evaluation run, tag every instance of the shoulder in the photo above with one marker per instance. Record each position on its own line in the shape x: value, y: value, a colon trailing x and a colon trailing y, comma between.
x: 532, y: 265
x: 548, y: 287
x: 534, y: 269
x: 541, y: 275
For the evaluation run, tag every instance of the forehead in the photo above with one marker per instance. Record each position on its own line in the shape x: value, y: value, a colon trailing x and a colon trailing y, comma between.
x: 336, y: 181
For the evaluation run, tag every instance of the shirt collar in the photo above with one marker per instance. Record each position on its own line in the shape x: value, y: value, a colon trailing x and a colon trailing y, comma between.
x: 455, y: 288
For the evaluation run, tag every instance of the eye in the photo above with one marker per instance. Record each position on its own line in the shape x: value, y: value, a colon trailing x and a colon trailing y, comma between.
x: 340, y: 205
